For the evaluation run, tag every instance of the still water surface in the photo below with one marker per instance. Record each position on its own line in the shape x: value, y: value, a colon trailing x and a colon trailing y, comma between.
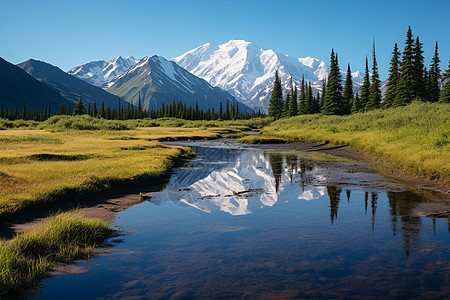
x: 259, y: 222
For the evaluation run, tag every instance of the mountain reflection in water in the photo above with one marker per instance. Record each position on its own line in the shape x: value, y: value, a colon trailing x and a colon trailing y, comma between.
x: 260, y: 223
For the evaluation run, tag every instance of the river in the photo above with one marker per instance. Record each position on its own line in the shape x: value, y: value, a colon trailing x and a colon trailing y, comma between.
x: 251, y: 223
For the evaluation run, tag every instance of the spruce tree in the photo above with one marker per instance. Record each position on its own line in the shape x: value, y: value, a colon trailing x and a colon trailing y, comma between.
x: 285, y: 113
x: 310, y: 107
x: 433, y: 78
x: 356, y: 104
x: 374, y: 91
x: 332, y: 104
x: 293, y: 107
x: 276, y: 99
x: 405, y: 93
x: 302, y: 107
x: 365, y: 88
x: 348, y: 91
x: 79, y: 108
x: 420, y: 88
x: 444, y: 97
x: 393, y: 78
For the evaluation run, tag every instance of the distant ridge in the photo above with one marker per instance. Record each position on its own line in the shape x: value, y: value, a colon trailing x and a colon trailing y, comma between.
x: 67, y: 85
x: 17, y: 87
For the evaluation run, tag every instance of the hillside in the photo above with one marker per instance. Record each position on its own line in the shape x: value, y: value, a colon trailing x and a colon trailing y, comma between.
x: 67, y: 85
x: 17, y: 87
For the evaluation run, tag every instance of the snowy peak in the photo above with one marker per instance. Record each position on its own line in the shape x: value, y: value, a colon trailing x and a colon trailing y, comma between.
x: 100, y: 73
x: 247, y: 71
x: 157, y: 80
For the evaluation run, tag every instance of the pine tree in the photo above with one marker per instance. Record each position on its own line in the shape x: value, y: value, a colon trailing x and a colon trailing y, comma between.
x: 356, y: 104
x: 276, y: 99
x: 365, y: 88
x: 293, y: 107
x: 310, y: 106
x: 79, y: 108
x: 302, y: 107
x: 393, y: 78
x: 444, y: 97
x: 405, y: 93
x: 374, y: 91
x: 322, y: 96
x: 285, y: 113
x: 348, y: 91
x: 420, y: 88
x: 220, y: 110
x: 433, y: 78
x: 332, y: 104
x: 102, y: 112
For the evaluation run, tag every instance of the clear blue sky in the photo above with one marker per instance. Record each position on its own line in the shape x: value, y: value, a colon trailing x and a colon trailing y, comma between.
x: 70, y: 33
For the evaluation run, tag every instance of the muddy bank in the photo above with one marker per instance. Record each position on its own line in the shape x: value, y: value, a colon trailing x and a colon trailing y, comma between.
x: 366, y: 163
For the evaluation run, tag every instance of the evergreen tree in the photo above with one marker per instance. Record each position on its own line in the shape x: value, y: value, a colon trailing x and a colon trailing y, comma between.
x: 433, y: 78
x: 220, y: 110
x: 365, y: 88
x: 310, y: 100
x: 285, y: 113
x: 302, y: 106
x: 276, y: 99
x: 393, y: 78
x: 420, y: 88
x: 374, y: 91
x: 322, y: 96
x: 79, y: 108
x: 332, y: 104
x: 348, y: 91
x: 227, y: 110
x: 356, y: 104
x: 94, y: 110
x: 293, y: 107
x: 102, y: 112
x: 444, y: 97
x: 407, y: 80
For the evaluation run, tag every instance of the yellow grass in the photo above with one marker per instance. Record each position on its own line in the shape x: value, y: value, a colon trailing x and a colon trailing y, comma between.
x: 413, y: 139
x: 38, y: 166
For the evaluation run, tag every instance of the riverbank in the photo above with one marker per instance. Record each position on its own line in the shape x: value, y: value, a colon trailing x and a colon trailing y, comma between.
x: 411, y: 140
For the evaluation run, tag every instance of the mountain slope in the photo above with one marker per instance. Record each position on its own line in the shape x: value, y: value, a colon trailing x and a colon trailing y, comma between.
x: 158, y: 81
x: 247, y: 71
x: 67, y: 85
x: 17, y: 86
x: 100, y: 73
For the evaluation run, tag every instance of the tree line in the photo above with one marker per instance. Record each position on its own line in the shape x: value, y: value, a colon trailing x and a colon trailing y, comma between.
x: 130, y: 111
x: 408, y: 80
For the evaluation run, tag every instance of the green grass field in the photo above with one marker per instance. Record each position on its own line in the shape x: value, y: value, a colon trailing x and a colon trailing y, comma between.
x: 414, y: 139
x: 28, y: 256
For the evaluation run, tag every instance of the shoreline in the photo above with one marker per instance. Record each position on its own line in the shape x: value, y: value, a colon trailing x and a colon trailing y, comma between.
x: 346, y: 151
x: 106, y: 206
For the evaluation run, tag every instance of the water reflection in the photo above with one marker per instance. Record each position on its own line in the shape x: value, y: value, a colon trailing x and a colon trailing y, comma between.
x: 270, y: 224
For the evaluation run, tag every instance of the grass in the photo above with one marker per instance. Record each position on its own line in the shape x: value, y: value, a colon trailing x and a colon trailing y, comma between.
x: 413, y: 139
x: 28, y: 256
x: 40, y: 167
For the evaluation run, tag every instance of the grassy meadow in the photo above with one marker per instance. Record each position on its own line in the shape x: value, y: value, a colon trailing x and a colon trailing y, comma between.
x: 28, y: 256
x: 414, y: 139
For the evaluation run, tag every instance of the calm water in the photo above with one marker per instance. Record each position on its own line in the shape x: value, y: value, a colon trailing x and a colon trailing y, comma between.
x: 251, y: 223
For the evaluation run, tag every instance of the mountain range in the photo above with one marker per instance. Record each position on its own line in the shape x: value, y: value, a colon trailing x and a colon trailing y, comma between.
x: 155, y: 80
x: 18, y: 87
x: 100, y: 73
x: 247, y: 71
x: 67, y: 85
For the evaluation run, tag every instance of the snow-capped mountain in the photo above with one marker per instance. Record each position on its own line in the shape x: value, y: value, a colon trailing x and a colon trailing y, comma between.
x: 247, y: 71
x: 157, y: 80
x: 100, y: 73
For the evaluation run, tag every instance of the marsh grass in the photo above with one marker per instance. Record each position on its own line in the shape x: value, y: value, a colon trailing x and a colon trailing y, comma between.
x: 28, y: 256
x: 413, y: 139
x: 36, y: 173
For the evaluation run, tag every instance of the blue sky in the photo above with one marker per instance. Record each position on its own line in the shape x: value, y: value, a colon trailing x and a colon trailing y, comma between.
x: 70, y: 33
